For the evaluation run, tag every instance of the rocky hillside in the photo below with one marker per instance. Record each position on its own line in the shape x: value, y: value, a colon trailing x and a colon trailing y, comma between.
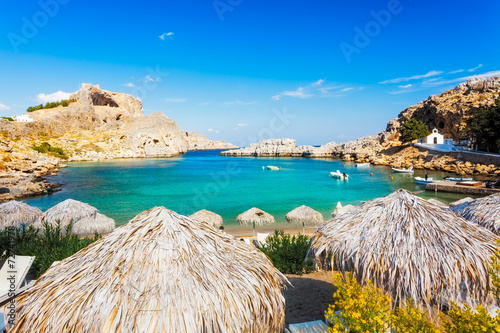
x: 448, y: 111
x: 101, y: 124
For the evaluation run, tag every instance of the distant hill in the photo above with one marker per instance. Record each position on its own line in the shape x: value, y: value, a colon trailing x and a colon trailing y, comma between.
x: 102, y: 124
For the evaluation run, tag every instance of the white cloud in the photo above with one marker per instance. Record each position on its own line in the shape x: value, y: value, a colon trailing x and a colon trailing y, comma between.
x: 238, y: 103
x: 406, y: 87
x: 397, y: 92
x: 430, y: 83
x: 54, y: 97
x: 166, y: 35
x: 216, y: 131
x: 414, y: 77
x: 474, y: 69
x: 210, y: 130
x: 299, y: 93
x: 347, y: 89
x: 242, y: 125
x: 317, y: 83
x: 276, y: 97
x: 130, y: 85
x: 456, y: 71
x: 176, y: 100
x: 4, y: 107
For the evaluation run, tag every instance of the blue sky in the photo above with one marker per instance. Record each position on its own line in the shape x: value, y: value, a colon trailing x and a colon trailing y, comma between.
x: 243, y: 70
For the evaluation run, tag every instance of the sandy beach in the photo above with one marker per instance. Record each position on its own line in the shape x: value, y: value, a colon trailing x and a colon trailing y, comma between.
x: 308, y: 297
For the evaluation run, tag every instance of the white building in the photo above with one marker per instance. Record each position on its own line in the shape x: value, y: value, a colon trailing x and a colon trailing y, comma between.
x: 433, y: 138
x: 24, y: 118
x: 436, y: 141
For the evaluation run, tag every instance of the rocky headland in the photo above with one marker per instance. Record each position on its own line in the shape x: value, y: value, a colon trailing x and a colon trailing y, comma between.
x: 448, y: 112
x: 97, y: 124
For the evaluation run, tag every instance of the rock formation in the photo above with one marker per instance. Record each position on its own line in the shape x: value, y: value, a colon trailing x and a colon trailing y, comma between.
x: 99, y: 124
x: 22, y: 171
x: 197, y: 141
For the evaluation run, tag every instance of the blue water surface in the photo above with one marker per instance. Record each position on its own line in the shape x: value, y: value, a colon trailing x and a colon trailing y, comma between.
x: 226, y: 185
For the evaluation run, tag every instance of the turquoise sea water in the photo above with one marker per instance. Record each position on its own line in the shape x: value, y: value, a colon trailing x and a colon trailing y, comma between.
x: 226, y: 185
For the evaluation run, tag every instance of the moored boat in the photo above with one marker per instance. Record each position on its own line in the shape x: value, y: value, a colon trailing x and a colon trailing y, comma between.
x: 457, y: 179
x: 470, y: 183
x: 423, y: 181
x: 360, y: 165
x: 273, y: 167
x: 403, y: 170
x: 339, y: 175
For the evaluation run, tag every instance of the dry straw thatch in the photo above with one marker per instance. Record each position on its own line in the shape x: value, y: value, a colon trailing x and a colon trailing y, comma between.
x: 304, y: 215
x: 410, y: 248
x: 161, y: 272
x: 255, y: 216
x: 458, y: 206
x: 485, y: 212
x: 15, y: 214
x: 85, y: 219
x: 207, y: 216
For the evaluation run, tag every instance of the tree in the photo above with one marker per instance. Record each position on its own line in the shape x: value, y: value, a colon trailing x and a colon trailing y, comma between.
x: 484, y: 126
x: 413, y: 129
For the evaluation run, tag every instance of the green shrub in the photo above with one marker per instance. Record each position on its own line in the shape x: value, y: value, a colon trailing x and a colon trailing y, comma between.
x: 45, y: 147
x: 409, y: 319
x: 358, y: 308
x: 51, y: 105
x: 466, y: 320
x: 8, y: 118
x: 413, y: 129
x: 288, y: 253
x: 47, y: 245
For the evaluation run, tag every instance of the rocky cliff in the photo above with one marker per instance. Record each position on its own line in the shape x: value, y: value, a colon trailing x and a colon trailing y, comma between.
x: 22, y: 170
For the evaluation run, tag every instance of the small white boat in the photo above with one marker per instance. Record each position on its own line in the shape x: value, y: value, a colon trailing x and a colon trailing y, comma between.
x: 458, y: 179
x: 361, y: 165
x: 423, y: 181
x: 403, y: 170
x: 339, y: 175
x: 272, y: 167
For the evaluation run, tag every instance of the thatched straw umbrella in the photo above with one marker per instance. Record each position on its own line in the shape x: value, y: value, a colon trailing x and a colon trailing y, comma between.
x: 458, y: 206
x: 207, y: 216
x: 15, y: 214
x: 161, y: 272
x: 255, y: 216
x: 438, y: 203
x: 485, y: 212
x: 304, y: 215
x: 410, y: 248
x: 84, y: 219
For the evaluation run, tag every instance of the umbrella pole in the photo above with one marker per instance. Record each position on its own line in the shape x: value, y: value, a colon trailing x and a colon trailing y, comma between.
x: 303, y: 228
x: 254, y: 229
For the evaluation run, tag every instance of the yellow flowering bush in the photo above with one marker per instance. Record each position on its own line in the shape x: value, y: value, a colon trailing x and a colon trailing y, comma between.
x: 466, y: 320
x: 409, y: 319
x: 494, y: 270
x: 361, y: 309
